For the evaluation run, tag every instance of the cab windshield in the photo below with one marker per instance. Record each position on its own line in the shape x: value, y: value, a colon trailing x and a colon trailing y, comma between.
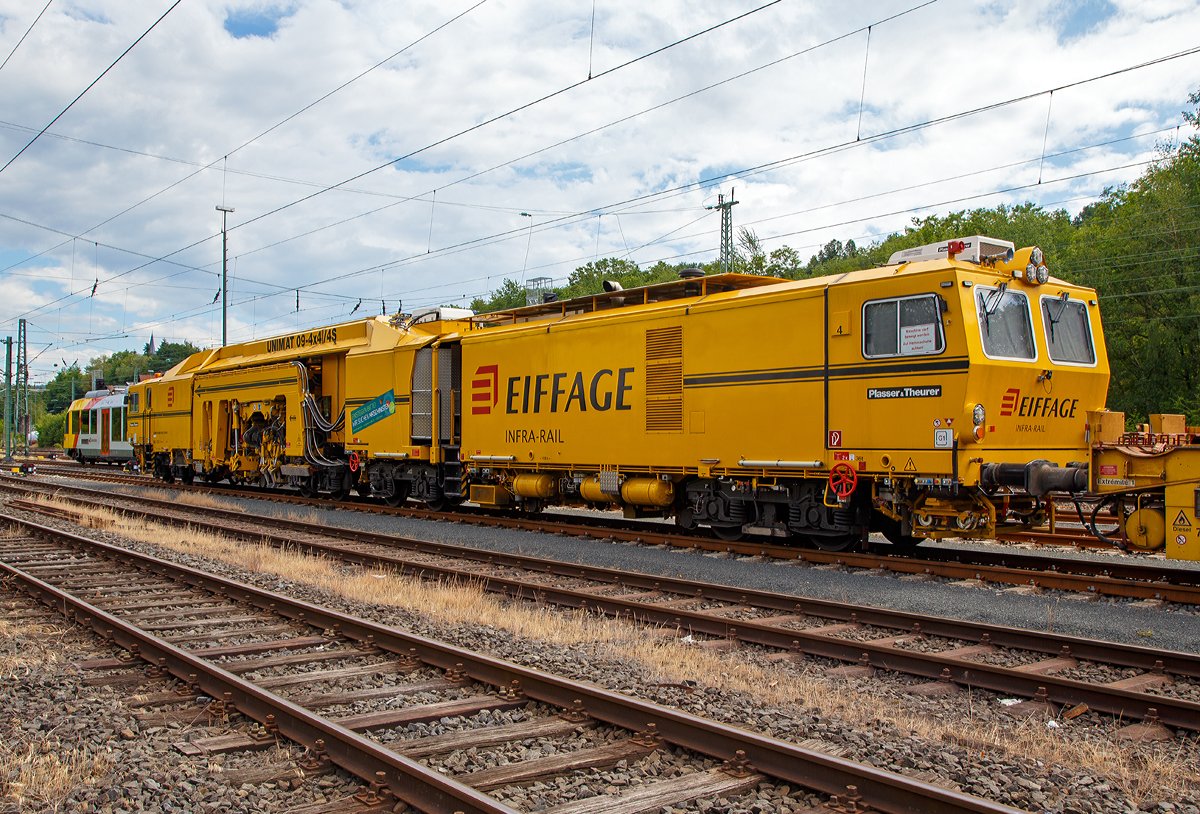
x: 1068, y: 331
x: 1005, y: 323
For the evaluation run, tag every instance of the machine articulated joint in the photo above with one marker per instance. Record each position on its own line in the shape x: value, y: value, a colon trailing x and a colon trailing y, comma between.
x: 1036, y: 477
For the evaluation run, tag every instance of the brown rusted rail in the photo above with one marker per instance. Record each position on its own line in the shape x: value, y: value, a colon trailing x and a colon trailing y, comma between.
x: 1104, y: 698
x: 1116, y: 577
x: 426, y: 789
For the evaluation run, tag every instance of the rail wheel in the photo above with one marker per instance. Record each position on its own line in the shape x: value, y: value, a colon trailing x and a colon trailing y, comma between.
x: 306, y: 487
x: 436, y: 504
x: 399, y: 493
x: 891, y: 530
x: 837, y: 542
x: 730, y: 534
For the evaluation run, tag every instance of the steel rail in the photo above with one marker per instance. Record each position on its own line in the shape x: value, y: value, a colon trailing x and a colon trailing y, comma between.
x: 421, y: 787
x: 825, y: 773
x: 1124, y: 703
x: 1136, y: 581
x: 1124, y: 655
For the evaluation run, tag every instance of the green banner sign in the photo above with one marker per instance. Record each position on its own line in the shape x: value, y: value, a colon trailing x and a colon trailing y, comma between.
x: 374, y: 410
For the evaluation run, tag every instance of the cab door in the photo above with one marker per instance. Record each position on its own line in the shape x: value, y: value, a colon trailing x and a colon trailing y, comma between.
x: 105, y: 430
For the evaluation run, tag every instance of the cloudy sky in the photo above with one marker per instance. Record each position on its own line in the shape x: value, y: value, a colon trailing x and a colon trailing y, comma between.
x: 380, y: 151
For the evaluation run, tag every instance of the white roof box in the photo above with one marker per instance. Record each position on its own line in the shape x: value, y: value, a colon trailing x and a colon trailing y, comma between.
x: 975, y: 248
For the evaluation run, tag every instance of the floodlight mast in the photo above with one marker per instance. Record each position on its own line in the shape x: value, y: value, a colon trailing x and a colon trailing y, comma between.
x: 224, y: 210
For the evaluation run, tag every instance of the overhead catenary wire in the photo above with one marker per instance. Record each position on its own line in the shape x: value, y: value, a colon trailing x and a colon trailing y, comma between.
x: 524, y: 106
x: 776, y: 164
x: 91, y: 85
x: 878, y: 194
x: 26, y: 34
x: 307, y: 286
x: 474, y: 127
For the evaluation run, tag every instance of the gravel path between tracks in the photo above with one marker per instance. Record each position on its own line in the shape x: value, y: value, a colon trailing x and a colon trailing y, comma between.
x: 1173, y: 627
x: 66, y: 746
x: 977, y: 767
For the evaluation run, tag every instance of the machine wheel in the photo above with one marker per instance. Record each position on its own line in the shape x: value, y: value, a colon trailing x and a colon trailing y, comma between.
x: 730, y: 534
x: 685, y: 519
x: 399, y: 495
x: 306, y: 487
x: 189, y: 476
x: 891, y: 530
x: 436, y: 504
x: 841, y: 542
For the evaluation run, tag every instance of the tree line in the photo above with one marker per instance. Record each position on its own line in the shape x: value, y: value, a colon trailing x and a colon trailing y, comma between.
x: 123, y: 367
x: 1138, y: 246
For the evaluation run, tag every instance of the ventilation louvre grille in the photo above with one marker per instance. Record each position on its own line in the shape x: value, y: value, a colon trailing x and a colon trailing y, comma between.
x: 664, y: 380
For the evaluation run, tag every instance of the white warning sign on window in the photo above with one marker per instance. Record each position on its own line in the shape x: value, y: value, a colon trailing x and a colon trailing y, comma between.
x: 918, y: 339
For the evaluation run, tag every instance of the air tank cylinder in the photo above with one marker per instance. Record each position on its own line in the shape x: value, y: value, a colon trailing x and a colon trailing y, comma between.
x: 535, y: 485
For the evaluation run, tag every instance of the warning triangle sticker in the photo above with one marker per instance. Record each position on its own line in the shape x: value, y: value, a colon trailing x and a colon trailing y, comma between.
x: 910, y: 466
x: 1182, y: 520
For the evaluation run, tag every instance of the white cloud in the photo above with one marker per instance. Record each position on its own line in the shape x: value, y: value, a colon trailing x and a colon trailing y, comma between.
x: 194, y: 93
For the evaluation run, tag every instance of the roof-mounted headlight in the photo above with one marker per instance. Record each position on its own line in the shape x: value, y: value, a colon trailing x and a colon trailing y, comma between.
x: 1035, y: 256
x: 1043, y: 274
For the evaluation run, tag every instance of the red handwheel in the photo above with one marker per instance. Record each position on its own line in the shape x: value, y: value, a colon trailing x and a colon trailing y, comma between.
x: 353, y: 461
x: 842, y: 480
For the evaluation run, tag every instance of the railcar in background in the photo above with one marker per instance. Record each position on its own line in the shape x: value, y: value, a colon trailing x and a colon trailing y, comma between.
x: 97, y: 429
x: 949, y: 393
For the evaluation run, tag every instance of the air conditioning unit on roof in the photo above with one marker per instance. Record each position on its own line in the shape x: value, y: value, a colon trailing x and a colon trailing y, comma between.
x: 975, y: 249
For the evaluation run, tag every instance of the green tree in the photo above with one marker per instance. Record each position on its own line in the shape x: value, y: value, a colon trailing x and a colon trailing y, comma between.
x: 57, y: 395
x: 51, y: 428
x: 170, y: 354
x: 510, y: 295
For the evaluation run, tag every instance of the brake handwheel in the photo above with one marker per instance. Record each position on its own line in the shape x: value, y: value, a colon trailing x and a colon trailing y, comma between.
x: 353, y: 461
x: 842, y: 480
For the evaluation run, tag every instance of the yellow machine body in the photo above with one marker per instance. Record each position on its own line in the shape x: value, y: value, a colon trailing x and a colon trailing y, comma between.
x: 943, y: 395
x: 759, y: 381
x: 359, y: 379
x: 1154, y: 473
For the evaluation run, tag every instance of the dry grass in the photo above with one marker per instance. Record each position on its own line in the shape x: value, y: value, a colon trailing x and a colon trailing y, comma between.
x: 36, y: 769
x: 199, y: 499
x: 38, y: 772
x: 1140, y: 771
x: 16, y: 661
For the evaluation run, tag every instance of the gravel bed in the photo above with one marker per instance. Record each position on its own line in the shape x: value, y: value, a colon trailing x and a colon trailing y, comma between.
x: 118, y: 765
x: 1111, y: 619
x: 1009, y: 778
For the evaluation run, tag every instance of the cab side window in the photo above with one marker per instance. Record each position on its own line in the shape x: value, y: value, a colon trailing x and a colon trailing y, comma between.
x: 903, y: 326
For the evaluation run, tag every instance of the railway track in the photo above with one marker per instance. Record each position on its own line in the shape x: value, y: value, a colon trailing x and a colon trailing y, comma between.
x: 1120, y: 576
x: 1054, y: 670
x: 273, y: 667
x: 1068, y: 533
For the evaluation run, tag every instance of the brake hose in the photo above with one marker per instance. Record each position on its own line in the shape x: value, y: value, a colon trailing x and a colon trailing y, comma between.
x: 1119, y: 543
x: 1037, y: 507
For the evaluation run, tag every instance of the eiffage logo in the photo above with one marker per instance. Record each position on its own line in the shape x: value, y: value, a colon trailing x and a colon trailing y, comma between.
x: 485, y: 390
x: 1008, y: 404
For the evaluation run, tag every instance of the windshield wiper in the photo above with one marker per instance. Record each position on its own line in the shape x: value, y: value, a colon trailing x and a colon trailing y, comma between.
x: 991, y: 304
x: 1054, y: 320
